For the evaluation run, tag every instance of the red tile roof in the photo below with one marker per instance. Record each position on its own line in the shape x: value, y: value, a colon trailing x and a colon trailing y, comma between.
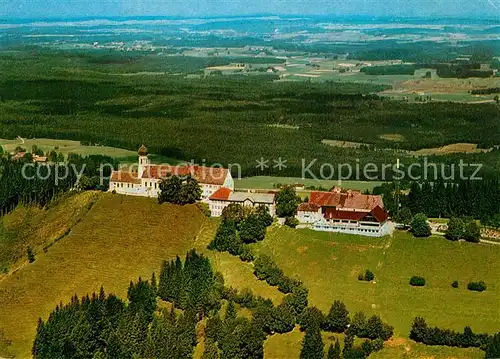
x: 350, y: 199
x: 18, y: 155
x: 308, y: 207
x: 331, y: 213
x: 124, y: 176
x: 325, y: 198
x: 222, y: 194
x: 206, y: 175
x: 378, y: 213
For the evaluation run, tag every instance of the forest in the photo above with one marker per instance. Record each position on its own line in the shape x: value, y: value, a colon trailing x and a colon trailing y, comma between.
x: 474, y: 199
x: 24, y: 182
x: 240, y: 119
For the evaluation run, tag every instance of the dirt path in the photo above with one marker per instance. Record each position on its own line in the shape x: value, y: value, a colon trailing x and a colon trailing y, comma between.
x: 489, y: 242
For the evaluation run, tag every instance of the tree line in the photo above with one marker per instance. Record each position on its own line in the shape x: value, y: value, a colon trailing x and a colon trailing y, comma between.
x: 421, y: 332
x: 474, y: 199
x: 37, y: 183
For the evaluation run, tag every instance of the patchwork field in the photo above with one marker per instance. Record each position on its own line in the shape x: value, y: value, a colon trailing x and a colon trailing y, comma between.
x: 120, y: 239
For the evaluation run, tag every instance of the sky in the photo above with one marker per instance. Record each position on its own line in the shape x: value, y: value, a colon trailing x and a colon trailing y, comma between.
x: 207, y: 8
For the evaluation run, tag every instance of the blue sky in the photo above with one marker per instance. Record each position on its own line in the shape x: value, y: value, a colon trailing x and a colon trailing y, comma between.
x: 200, y: 8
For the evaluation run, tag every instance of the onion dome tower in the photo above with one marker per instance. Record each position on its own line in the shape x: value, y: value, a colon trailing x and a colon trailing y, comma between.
x: 143, y: 160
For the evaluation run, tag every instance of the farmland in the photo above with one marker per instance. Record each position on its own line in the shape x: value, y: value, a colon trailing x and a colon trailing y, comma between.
x: 264, y: 97
x: 286, y: 119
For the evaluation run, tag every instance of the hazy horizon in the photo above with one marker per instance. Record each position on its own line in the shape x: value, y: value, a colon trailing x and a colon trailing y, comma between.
x: 64, y: 9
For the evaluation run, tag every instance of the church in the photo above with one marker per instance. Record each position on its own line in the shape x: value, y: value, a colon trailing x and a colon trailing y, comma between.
x: 146, y: 180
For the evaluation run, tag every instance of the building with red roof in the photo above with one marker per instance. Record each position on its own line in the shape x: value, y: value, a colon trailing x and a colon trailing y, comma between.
x: 143, y: 179
x: 223, y: 197
x: 345, y: 212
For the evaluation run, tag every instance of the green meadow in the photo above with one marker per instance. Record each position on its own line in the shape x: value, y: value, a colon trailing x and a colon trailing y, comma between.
x: 329, y: 264
x: 269, y: 182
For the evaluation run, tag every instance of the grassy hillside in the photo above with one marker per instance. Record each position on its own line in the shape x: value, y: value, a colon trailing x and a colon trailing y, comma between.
x: 237, y: 273
x: 329, y: 263
x: 121, y: 238
x: 39, y: 228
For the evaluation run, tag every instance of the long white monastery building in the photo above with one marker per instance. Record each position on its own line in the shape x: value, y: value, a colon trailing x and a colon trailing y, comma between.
x: 145, y: 181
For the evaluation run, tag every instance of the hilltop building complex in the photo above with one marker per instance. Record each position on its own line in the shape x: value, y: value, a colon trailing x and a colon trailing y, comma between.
x: 146, y: 181
x: 345, y: 212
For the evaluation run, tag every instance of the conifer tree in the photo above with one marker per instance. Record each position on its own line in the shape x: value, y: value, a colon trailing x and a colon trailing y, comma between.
x: 312, y: 345
x: 230, y: 311
x: 211, y: 351
x: 154, y: 285
x: 334, y: 352
x: 493, y: 349
x: 348, y: 343
x: 337, y: 319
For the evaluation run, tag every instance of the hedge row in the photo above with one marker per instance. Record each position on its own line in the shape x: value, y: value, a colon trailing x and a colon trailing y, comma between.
x: 266, y: 269
x: 422, y: 333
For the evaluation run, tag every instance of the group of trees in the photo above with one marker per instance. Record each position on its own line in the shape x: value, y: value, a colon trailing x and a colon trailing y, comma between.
x: 337, y: 320
x: 179, y: 190
x: 422, y: 333
x: 486, y: 91
x: 368, y: 276
x: 241, y: 226
x: 191, y: 285
x: 234, y: 337
x: 266, y: 269
x: 476, y: 199
x: 103, y: 326
x: 463, y: 228
x: 444, y: 70
x: 462, y: 202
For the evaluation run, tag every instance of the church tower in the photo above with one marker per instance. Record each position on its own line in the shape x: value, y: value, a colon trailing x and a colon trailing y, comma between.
x: 143, y: 160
